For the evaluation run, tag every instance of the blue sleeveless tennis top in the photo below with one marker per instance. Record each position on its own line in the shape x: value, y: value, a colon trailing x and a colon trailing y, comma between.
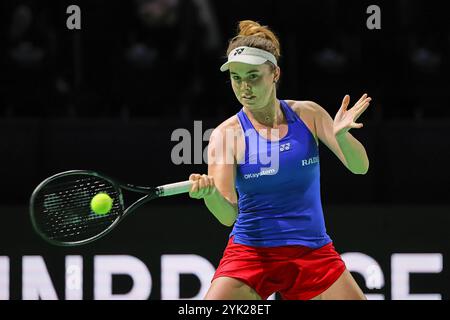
x: 278, y: 185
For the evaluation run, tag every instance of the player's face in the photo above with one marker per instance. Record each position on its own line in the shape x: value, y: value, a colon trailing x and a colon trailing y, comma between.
x: 253, y: 85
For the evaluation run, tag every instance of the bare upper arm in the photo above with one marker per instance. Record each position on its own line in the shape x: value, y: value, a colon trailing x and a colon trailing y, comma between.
x: 324, y: 127
x: 222, y: 160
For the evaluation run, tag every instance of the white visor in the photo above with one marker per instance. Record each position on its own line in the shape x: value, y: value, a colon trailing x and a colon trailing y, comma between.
x: 248, y: 55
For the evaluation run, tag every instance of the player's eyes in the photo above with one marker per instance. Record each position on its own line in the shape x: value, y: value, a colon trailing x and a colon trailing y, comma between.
x: 250, y: 77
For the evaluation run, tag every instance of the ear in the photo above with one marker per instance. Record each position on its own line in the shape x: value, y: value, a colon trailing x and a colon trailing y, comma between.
x: 276, y: 74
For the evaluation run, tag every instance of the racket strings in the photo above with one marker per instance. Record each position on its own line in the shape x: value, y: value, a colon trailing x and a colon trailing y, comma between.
x: 62, y: 208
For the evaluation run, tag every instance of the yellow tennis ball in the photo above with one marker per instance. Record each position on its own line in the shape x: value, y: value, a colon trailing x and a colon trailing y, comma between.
x: 101, y: 203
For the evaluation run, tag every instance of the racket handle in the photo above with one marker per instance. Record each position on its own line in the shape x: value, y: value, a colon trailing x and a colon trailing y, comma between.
x: 175, y: 188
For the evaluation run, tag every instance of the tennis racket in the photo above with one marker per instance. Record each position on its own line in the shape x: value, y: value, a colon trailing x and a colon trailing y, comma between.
x: 60, y: 205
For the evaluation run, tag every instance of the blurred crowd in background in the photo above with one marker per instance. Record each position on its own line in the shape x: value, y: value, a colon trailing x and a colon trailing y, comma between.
x: 159, y: 58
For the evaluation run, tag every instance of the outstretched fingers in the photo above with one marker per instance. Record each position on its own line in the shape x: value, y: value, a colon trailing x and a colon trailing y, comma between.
x: 361, y: 108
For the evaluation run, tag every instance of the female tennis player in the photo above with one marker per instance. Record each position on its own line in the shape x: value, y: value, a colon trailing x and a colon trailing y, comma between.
x: 279, y: 241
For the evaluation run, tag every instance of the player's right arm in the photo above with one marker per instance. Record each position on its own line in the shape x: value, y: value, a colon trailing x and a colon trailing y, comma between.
x: 218, y: 187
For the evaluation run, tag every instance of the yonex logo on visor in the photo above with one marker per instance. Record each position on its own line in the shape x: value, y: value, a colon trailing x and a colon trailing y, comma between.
x: 248, y: 55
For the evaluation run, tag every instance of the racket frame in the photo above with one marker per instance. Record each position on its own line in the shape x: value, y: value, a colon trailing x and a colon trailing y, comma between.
x: 151, y: 193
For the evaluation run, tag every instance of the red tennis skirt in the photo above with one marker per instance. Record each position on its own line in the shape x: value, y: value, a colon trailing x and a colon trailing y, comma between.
x: 296, y: 272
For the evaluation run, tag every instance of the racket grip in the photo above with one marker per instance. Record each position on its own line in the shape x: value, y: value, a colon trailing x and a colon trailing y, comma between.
x: 175, y: 188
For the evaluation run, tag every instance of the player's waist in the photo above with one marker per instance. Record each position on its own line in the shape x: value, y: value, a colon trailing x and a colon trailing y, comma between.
x: 311, y: 236
x: 282, y: 202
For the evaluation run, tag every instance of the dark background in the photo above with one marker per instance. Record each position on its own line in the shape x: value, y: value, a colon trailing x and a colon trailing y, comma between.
x: 108, y: 97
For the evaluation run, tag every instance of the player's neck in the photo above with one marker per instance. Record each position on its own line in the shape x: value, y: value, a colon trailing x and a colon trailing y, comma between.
x: 269, y: 115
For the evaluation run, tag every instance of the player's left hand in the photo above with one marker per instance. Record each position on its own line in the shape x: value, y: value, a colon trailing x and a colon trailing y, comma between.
x: 345, y: 119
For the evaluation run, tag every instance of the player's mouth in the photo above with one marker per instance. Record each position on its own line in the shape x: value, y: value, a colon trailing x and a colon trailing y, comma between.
x: 248, y: 97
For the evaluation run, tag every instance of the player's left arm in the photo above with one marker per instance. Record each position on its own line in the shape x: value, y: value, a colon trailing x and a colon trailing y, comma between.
x: 334, y: 133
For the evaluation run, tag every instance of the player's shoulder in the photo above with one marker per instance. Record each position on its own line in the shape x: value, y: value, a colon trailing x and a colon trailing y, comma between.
x: 231, y: 124
x: 303, y: 107
x: 307, y: 111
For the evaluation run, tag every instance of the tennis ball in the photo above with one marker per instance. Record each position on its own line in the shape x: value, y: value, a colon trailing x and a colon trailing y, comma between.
x: 101, y: 203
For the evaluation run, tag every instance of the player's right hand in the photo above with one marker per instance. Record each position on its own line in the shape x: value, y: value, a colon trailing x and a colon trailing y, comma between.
x: 203, y: 186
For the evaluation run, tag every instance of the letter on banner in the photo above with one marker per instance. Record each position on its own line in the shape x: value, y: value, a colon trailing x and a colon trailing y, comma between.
x: 36, y: 282
x: 173, y: 265
x: 402, y: 264
x: 4, y: 278
x: 106, y: 266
